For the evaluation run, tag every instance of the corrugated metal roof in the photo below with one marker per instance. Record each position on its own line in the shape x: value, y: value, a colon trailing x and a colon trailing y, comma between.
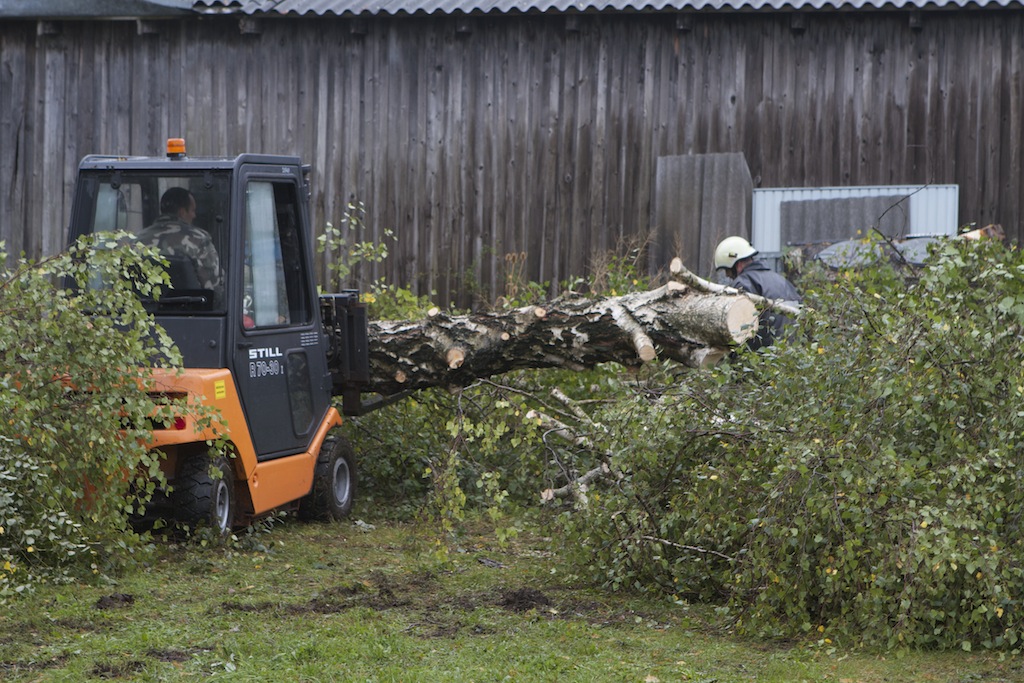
x: 96, y: 9
x: 350, y: 7
x: 93, y: 9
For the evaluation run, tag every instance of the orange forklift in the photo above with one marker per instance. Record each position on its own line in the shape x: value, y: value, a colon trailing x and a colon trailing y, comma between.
x: 259, y: 345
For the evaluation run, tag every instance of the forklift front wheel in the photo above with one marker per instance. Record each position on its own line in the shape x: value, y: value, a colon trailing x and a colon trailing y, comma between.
x: 334, y: 483
x: 205, y: 498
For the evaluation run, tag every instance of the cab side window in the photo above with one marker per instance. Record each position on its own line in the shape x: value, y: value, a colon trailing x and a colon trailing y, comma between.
x: 274, y: 277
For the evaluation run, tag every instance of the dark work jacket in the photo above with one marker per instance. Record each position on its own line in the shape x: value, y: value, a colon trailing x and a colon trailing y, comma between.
x: 758, y: 278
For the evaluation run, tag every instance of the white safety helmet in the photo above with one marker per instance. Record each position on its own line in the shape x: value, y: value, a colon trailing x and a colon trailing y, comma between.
x: 730, y: 250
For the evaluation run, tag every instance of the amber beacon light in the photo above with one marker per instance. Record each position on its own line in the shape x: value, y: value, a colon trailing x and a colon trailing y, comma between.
x: 175, y: 148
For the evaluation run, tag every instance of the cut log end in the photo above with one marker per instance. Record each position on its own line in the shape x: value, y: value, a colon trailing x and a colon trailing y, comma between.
x: 455, y: 358
x: 741, y: 319
x: 647, y: 353
x: 708, y: 357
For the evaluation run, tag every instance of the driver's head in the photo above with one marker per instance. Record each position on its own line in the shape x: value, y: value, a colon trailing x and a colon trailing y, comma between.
x: 179, y: 203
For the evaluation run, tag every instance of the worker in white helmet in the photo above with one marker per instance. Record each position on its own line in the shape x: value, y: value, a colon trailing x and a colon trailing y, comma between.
x: 735, y: 256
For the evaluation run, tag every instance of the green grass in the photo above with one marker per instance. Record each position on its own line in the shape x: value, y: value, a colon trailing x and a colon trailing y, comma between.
x: 343, y: 603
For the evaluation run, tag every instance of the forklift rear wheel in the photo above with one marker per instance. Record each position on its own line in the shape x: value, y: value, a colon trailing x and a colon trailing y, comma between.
x: 204, y: 499
x: 334, y: 483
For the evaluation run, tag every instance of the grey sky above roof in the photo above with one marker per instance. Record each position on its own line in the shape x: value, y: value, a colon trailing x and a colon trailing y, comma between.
x: 93, y: 9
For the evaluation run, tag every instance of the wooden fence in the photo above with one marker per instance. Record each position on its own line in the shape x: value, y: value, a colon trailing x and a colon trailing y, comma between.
x: 537, y: 135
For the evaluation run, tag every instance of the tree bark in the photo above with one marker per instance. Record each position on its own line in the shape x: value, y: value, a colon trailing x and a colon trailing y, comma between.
x: 676, y: 321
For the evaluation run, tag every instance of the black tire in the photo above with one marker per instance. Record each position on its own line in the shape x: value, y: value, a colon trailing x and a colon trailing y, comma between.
x: 334, y: 483
x: 202, y: 499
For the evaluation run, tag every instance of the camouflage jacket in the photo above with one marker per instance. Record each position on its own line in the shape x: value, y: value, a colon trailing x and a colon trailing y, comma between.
x: 177, y: 238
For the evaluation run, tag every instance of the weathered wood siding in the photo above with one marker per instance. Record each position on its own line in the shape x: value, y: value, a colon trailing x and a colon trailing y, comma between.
x: 527, y: 133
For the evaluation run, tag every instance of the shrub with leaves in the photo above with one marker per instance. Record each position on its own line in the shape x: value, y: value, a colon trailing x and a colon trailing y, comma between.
x: 74, y: 414
x: 441, y: 452
x: 349, y: 261
x: 343, y: 253
x: 859, y: 484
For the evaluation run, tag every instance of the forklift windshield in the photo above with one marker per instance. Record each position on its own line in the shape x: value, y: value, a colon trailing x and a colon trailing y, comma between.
x: 185, y: 216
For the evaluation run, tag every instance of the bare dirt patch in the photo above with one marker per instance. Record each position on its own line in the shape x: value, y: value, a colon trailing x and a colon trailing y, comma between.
x: 115, y: 601
x: 524, y: 599
x: 120, y: 670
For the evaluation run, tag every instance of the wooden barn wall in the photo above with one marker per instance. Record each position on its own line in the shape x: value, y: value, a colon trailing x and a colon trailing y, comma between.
x: 536, y: 136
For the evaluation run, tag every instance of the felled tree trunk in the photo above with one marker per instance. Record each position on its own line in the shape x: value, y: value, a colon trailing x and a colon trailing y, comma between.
x: 677, y: 321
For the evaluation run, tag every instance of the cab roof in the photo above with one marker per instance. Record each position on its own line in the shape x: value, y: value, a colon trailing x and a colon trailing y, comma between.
x: 184, y: 163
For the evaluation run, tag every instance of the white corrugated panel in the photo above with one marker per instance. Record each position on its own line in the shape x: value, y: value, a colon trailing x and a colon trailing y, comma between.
x: 934, y: 209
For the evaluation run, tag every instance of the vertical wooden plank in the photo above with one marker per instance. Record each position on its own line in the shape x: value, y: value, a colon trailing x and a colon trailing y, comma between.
x: 990, y: 78
x: 380, y: 128
x: 402, y: 112
x: 893, y: 152
x: 769, y: 111
x: 646, y: 156
x: 453, y: 209
x: 81, y: 102
x: 749, y: 95
x: 565, y: 176
x: 621, y: 207
x: 348, y: 75
x: 579, y: 247
x: 1010, y: 200
x: 51, y: 214
x: 731, y: 136
x: 525, y: 128
x: 827, y: 93
x: 178, y: 70
x: 323, y: 174
x: 434, y: 86
x: 919, y: 102
x: 945, y: 90
x: 15, y: 74
x: 677, y: 79
x: 549, y: 182
x: 137, y: 87
x: 611, y: 201
x: 377, y: 126
x: 592, y: 213
x: 121, y: 105
x: 255, y: 119
x: 222, y: 36
x: 789, y: 91
x: 496, y: 63
x: 639, y: 174
x: 75, y: 103
x: 801, y: 103
x: 492, y: 232
x: 418, y: 52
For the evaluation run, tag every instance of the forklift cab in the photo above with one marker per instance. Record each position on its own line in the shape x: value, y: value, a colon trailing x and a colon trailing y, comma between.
x: 259, y: 317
